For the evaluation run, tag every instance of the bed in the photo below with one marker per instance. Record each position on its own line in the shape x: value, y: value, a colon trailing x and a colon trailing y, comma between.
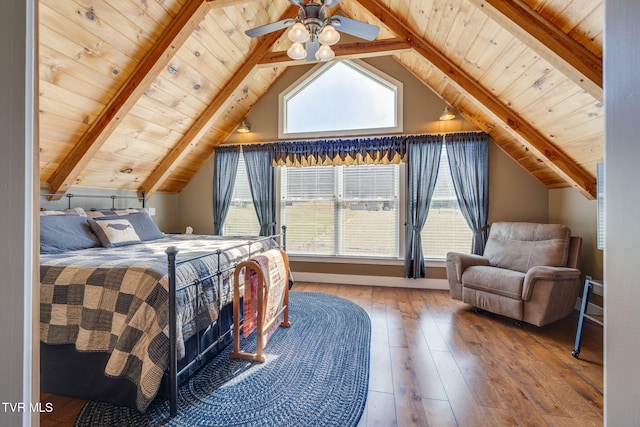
x: 108, y: 282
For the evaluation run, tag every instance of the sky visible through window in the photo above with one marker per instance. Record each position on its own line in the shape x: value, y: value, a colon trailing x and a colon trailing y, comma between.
x: 342, y: 97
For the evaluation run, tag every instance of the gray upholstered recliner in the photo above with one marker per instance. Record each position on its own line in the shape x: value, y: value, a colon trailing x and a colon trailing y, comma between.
x: 528, y: 272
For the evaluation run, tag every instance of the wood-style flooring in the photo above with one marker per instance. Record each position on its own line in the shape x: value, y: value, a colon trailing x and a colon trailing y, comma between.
x: 435, y: 362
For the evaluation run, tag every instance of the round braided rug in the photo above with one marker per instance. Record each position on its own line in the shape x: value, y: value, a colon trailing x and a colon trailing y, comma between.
x: 316, y: 374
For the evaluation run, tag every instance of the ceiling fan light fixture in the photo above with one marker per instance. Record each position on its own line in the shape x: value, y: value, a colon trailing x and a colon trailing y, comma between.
x: 325, y: 53
x: 297, y: 51
x: 447, y: 114
x: 298, y: 33
x: 329, y: 35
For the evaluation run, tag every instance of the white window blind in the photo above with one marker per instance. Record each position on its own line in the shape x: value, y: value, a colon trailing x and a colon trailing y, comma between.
x: 445, y: 229
x: 242, y: 219
x: 350, y: 211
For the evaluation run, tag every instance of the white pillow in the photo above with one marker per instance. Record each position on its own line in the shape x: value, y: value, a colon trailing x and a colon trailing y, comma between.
x: 114, y: 232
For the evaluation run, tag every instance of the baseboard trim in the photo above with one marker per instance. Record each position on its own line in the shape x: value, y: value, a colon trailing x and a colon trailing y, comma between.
x: 352, y: 279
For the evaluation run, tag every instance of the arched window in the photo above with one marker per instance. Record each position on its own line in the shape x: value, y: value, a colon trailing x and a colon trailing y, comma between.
x: 341, y: 98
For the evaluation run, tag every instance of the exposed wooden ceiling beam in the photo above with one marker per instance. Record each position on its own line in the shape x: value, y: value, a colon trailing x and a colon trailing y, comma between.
x: 174, y: 35
x: 543, y: 37
x: 262, y: 46
x: 344, y: 51
x: 573, y: 174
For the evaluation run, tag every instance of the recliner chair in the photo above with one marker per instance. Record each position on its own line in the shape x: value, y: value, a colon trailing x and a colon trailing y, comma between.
x: 528, y: 272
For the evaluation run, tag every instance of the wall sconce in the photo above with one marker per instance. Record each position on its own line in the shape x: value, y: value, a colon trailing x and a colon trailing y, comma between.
x: 244, y: 127
x: 447, y: 114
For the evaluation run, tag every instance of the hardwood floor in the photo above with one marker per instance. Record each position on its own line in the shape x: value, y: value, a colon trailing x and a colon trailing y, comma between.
x: 435, y: 362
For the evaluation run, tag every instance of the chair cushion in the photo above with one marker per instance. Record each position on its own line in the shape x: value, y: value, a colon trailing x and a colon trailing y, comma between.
x: 494, y: 280
x: 522, y: 245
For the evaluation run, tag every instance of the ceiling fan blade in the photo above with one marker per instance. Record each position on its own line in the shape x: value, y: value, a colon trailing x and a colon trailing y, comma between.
x: 299, y: 3
x: 312, y: 47
x: 355, y: 28
x: 330, y: 3
x: 270, y: 28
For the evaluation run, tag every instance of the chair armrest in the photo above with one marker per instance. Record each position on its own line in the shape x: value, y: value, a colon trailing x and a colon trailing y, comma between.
x: 462, y: 261
x: 551, y: 274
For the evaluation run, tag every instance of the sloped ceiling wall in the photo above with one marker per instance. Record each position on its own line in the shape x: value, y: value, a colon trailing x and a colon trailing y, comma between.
x: 134, y: 94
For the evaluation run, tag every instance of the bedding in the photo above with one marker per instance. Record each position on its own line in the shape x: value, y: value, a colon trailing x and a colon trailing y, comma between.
x: 115, y: 300
x: 128, y: 226
x: 60, y: 233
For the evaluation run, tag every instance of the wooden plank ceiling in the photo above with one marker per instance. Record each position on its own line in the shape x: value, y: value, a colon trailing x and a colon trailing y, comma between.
x: 134, y: 94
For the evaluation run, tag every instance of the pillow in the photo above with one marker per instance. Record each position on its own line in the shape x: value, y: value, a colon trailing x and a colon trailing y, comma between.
x: 144, y: 226
x: 67, y: 212
x: 142, y: 223
x: 114, y: 232
x: 61, y: 233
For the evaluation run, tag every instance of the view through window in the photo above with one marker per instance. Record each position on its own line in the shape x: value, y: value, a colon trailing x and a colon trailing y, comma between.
x: 242, y: 219
x: 445, y: 229
x: 342, y: 98
x: 341, y: 210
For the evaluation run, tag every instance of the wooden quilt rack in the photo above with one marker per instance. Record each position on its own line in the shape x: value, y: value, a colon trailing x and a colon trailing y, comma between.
x: 266, y: 281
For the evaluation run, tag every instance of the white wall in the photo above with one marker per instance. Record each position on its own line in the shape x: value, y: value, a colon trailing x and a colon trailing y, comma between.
x: 196, y: 201
x: 622, y: 211
x: 18, y: 166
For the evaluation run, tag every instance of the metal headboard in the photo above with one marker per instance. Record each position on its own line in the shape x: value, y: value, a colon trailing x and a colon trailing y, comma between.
x: 113, y: 198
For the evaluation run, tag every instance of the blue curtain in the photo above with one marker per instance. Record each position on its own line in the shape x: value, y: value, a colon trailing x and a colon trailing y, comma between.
x: 225, y: 167
x: 423, y: 161
x: 259, y: 162
x: 468, y: 155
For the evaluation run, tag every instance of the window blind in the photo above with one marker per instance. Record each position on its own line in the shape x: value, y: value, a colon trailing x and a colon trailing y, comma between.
x: 341, y: 210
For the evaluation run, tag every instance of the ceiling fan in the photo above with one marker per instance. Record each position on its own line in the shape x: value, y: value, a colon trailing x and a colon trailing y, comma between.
x: 317, y: 30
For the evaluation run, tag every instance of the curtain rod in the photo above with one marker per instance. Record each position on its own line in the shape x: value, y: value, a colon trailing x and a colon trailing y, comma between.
x: 350, y: 138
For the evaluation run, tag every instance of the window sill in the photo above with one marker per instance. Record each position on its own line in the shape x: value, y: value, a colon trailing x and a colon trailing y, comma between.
x: 362, y: 260
x: 346, y: 260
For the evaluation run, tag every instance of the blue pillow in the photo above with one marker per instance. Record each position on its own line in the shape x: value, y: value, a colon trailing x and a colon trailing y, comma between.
x: 144, y: 226
x: 62, y: 233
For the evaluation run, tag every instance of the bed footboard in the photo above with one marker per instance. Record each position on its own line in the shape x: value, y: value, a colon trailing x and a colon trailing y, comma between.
x: 175, y: 374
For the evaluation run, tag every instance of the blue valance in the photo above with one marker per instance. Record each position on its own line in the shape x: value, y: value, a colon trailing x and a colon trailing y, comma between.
x: 336, y: 152
x: 382, y: 150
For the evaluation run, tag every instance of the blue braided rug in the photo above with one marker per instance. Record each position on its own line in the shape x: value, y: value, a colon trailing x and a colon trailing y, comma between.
x: 316, y: 374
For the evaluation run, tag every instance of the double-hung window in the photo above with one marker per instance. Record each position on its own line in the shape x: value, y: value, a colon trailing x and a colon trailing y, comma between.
x: 341, y: 210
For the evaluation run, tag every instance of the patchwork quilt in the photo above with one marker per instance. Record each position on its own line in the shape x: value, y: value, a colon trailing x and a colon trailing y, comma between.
x: 116, y: 300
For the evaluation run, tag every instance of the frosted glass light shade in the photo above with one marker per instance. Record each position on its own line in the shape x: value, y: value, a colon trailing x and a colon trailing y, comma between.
x: 297, y: 51
x: 325, y: 53
x: 447, y: 114
x: 329, y: 35
x: 298, y: 33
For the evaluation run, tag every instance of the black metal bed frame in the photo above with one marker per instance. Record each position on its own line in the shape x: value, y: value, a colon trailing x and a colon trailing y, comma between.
x: 142, y: 199
x: 176, y: 376
x: 199, y: 359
